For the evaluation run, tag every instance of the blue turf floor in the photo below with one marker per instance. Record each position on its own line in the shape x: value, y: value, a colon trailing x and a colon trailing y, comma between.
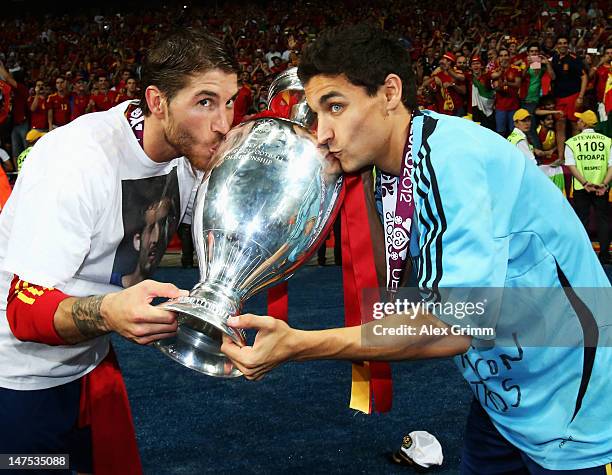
x: 297, y: 418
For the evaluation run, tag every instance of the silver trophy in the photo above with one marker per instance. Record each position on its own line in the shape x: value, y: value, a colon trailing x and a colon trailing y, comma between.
x: 263, y: 211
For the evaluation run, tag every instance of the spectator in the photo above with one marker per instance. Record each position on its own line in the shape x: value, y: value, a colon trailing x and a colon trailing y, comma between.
x: 103, y: 99
x: 569, y: 81
x: 38, y: 107
x: 518, y: 136
x: 271, y: 54
x: 532, y: 77
x: 5, y: 109
x: 602, y: 72
x: 19, y: 101
x: 550, y: 163
x: 58, y: 105
x: 482, y: 95
x: 450, y: 85
x: 279, y: 65
x: 79, y: 99
x: 491, y: 60
x: 129, y: 92
x: 506, y: 82
x: 244, y: 99
x: 123, y: 80
x: 588, y: 157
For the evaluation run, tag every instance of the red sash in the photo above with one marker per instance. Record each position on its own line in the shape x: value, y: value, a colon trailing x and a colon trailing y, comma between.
x: 371, y: 380
x: 105, y: 407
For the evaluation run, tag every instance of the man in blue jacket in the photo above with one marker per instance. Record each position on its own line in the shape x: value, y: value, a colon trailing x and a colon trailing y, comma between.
x: 470, y: 212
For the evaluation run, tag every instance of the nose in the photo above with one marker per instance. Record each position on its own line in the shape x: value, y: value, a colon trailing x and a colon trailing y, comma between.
x: 325, y: 132
x: 155, y: 232
x: 223, y: 121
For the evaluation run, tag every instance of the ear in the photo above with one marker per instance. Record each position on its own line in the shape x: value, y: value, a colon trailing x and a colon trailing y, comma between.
x: 156, y: 101
x: 392, y: 88
x: 136, y: 242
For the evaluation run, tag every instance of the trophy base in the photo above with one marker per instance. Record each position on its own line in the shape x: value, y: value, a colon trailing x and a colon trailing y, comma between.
x: 198, y: 340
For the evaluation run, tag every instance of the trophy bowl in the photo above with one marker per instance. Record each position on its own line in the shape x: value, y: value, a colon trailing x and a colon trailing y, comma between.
x: 264, y: 210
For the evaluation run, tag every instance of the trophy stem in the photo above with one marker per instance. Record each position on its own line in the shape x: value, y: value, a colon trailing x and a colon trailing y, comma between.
x: 202, y: 320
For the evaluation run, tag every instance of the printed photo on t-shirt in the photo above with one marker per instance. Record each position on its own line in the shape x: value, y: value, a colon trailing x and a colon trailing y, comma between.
x: 151, y: 212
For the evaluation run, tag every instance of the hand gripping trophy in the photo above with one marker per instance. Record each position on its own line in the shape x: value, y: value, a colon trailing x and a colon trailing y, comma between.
x: 262, y: 212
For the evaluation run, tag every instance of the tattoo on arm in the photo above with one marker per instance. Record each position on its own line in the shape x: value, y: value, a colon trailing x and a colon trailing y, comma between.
x: 87, y: 318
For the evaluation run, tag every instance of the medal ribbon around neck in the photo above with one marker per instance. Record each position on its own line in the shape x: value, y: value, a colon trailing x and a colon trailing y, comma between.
x: 398, y: 212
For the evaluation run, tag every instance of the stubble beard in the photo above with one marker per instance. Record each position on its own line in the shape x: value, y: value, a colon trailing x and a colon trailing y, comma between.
x: 181, y: 140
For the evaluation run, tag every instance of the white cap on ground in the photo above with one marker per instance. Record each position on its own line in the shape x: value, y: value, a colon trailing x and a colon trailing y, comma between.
x: 422, y: 448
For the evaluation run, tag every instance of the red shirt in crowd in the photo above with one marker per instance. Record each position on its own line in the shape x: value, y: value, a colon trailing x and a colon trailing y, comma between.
x: 601, y: 77
x: 5, y: 101
x: 282, y: 103
x: 38, y: 117
x: 507, y: 97
x: 103, y: 102
x: 450, y: 100
x: 20, y: 104
x: 123, y: 96
x: 242, y: 103
x: 79, y: 105
x: 60, y: 105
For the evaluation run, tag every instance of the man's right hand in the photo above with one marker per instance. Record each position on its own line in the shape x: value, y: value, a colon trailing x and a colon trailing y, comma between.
x: 130, y: 313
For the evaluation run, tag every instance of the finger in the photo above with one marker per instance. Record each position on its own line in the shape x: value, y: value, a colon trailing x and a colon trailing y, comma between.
x: 153, y: 338
x: 238, y: 364
x: 161, y: 289
x: 152, y: 314
x: 259, y: 373
x: 146, y: 331
x: 231, y: 349
x: 251, y: 321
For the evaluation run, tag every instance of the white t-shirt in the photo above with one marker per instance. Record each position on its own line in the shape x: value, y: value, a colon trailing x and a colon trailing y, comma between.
x: 271, y: 54
x: 74, y: 221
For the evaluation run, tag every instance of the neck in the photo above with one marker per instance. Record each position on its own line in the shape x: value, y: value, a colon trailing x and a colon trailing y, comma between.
x: 155, y: 144
x: 391, y: 159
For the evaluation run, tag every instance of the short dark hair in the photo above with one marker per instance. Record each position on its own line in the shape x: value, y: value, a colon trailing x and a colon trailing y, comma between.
x: 181, y: 54
x: 364, y: 54
x: 533, y: 44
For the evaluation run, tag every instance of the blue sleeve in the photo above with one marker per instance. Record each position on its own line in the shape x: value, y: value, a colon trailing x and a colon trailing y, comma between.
x: 457, y: 244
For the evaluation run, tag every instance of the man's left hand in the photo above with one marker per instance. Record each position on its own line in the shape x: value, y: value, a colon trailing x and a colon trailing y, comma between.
x: 272, y: 345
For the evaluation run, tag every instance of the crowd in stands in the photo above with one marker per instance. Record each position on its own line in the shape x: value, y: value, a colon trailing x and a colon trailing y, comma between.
x: 479, y: 59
